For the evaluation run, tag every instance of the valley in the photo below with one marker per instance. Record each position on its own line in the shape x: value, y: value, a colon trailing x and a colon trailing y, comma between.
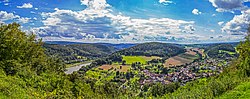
x: 147, y: 64
x: 34, y: 69
x: 124, y: 49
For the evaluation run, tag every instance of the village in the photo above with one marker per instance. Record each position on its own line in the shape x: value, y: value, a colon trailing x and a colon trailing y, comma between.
x: 187, y: 72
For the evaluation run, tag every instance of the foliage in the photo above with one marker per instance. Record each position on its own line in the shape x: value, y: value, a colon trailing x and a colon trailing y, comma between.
x: 78, y: 52
x: 153, y: 49
x: 220, y: 50
x: 27, y: 72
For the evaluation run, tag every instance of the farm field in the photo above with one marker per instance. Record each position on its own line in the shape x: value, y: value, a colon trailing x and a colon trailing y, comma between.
x: 201, y: 51
x: 142, y: 59
x: 120, y: 68
x: 181, y: 59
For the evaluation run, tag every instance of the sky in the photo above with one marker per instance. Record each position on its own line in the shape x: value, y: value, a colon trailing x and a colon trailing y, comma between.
x: 130, y: 21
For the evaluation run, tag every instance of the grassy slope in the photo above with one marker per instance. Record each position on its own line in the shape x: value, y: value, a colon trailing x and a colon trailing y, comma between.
x: 13, y: 87
x: 242, y: 91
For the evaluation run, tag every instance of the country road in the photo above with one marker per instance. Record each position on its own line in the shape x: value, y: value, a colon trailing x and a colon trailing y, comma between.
x: 70, y: 70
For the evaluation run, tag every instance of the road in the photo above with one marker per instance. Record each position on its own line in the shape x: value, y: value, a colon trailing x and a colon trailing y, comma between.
x: 70, y: 70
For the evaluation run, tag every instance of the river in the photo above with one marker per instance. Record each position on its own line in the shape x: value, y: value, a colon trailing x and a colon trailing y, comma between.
x: 70, y: 70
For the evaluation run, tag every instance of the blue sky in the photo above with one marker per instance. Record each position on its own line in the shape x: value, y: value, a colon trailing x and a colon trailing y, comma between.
x: 130, y: 21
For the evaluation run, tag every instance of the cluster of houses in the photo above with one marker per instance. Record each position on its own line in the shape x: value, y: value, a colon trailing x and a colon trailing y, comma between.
x: 183, y: 74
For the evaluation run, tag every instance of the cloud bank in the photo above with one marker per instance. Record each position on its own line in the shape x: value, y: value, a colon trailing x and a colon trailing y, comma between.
x: 239, y: 24
x: 99, y: 23
x: 228, y: 5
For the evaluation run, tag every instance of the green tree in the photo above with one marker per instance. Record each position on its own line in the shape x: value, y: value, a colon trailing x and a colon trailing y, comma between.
x: 18, y: 50
x: 244, y: 58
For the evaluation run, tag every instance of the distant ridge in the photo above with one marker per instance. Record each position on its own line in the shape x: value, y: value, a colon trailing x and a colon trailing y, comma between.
x: 117, y: 46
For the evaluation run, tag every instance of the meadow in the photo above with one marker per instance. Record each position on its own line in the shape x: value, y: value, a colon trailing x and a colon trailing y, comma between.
x: 142, y: 59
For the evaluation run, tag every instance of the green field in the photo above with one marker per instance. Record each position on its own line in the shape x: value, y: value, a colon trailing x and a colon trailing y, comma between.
x: 133, y: 59
x: 141, y: 59
x: 231, y: 53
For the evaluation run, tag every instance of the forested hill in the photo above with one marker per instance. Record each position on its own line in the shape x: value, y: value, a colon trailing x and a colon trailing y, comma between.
x: 116, y: 46
x: 221, y: 50
x: 154, y: 49
x: 78, y: 51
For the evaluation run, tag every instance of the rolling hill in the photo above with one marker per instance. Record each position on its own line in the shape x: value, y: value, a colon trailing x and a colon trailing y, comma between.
x: 78, y: 52
x: 153, y: 49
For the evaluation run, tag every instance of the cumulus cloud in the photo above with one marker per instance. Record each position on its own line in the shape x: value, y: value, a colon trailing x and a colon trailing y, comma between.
x: 228, y: 5
x: 24, y: 20
x: 98, y: 22
x: 239, y: 24
x: 26, y: 5
x: 196, y: 12
x: 95, y: 4
x: 5, y: 16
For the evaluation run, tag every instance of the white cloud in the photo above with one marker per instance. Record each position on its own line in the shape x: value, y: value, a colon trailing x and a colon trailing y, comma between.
x: 220, y: 23
x: 165, y: 2
x: 239, y: 24
x: 95, y: 4
x: 213, y: 15
x: 4, y: 16
x: 52, y: 21
x: 34, y: 18
x: 212, y: 30
x: 196, y: 12
x: 6, y: 4
x: 99, y: 21
x: 228, y: 5
x: 24, y: 20
x: 26, y: 5
x: 36, y: 8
